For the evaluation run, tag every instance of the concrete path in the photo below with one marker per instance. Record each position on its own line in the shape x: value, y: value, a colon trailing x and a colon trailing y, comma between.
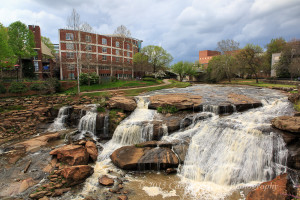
x: 165, y: 82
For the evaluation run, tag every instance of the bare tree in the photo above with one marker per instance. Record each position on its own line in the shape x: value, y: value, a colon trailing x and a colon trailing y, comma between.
x: 122, y: 32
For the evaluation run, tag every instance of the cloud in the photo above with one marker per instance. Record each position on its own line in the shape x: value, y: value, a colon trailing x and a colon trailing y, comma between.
x: 181, y: 27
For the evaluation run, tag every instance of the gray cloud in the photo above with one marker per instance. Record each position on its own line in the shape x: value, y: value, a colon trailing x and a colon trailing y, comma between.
x: 181, y: 27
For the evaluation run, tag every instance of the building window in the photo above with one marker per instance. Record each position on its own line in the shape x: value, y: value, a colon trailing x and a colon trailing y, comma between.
x: 117, y: 52
x: 128, y: 60
x: 104, y: 41
x: 36, y: 66
x: 104, y: 50
x: 71, y: 67
x: 117, y: 59
x: 89, y: 47
x: 117, y: 44
x: 70, y: 46
x: 128, y: 46
x: 128, y: 54
x: 88, y: 38
x: 104, y: 58
x: 69, y: 36
x: 70, y: 55
x: 89, y: 56
x: 71, y: 76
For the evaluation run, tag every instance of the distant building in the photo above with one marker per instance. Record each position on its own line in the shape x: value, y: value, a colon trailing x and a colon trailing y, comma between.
x: 106, y: 55
x: 275, y: 60
x: 44, y: 60
x: 206, y: 55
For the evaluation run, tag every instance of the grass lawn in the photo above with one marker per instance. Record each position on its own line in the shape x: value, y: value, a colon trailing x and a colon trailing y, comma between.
x: 113, y: 85
x: 252, y: 82
x: 135, y: 92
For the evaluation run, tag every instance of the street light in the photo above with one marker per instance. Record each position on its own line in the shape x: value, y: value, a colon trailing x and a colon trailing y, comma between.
x: 17, y: 67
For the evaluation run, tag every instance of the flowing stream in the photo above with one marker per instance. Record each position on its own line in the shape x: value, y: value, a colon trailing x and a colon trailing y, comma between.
x: 59, y: 121
x: 87, y: 123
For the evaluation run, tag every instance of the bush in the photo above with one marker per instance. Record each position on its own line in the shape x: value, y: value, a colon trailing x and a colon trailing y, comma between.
x: 85, y: 78
x: 37, y: 87
x: 17, y: 87
x: 94, y: 78
x: 52, y: 85
x: 100, y: 109
x: 167, y: 109
x: 2, y: 89
x: 149, y: 79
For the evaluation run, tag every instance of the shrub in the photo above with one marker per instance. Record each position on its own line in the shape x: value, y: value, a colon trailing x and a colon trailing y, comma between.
x: 167, y: 109
x: 83, y: 79
x: 52, y: 85
x: 149, y: 79
x: 100, y: 109
x: 94, y: 78
x: 37, y: 87
x: 17, y: 87
x: 2, y: 89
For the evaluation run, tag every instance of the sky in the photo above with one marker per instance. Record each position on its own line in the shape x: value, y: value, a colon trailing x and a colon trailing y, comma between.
x: 182, y: 27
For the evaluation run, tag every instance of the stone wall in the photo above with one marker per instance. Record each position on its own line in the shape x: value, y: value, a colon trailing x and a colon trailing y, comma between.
x: 284, y: 82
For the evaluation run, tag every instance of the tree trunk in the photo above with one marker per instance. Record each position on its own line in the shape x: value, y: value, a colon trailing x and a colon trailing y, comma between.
x: 256, y: 77
x: 21, y: 69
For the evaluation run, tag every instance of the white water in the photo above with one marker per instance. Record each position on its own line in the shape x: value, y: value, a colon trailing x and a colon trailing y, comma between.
x: 87, y: 123
x: 59, y: 121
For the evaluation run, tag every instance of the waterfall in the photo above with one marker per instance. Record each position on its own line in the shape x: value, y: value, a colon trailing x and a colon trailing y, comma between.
x: 87, y: 123
x: 106, y: 125
x: 59, y: 121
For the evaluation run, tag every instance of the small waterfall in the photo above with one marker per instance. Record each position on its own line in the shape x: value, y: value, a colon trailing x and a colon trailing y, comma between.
x: 106, y: 125
x: 211, y: 108
x: 59, y: 121
x: 87, y: 123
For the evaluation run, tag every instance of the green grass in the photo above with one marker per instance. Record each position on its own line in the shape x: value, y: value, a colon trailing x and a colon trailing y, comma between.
x: 297, y: 106
x: 112, y: 85
x: 252, y: 82
x: 10, y: 108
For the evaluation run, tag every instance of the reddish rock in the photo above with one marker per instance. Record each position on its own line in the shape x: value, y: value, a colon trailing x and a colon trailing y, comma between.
x: 122, y: 102
x: 76, y: 174
x: 122, y: 197
x: 92, y: 150
x: 72, y: 154
x: 59, y: 192
x: 287, y: 123
x: 276, y: 189
x: 27, y: 183
x: 106, y: 181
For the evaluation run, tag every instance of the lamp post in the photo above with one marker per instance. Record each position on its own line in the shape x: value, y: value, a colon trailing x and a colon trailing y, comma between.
x: 17, y: 67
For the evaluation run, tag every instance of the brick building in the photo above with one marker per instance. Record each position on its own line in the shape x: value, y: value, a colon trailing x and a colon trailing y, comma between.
x: 106, y: 55
x: 44, y: 60
x: 206, y: 55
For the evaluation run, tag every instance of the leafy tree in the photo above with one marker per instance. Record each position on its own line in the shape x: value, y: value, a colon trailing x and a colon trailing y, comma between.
x: 158, y: 57
x: 275, y: 46
x: 21, y: 40
x: 294, y: 67
x: 141, y: 63
x: 183, y: 69
x: 227, y: 61
x: 7, y: 57
x: 251, y: 59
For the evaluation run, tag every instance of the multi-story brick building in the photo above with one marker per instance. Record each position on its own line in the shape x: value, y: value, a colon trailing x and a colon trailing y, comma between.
x: 106, y: 55
x: 206, y: 55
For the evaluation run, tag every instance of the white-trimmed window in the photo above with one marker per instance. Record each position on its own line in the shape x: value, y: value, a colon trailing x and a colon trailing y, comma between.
x: 89, y: 56
x: 104, y: 58
x: 88, y: 38
x: 117, y: 44
x: 128, y: 54
x: 70, y: 55
x: 128, y: 46
x: 69, y: 36
x: 70, y: 46
x: 71, y: 76
x: 117, y: 52
x: 117, y: 59
x: 89, y: 47
x: 104, y: 50
x: 104, y: 41
x: 71, y: 67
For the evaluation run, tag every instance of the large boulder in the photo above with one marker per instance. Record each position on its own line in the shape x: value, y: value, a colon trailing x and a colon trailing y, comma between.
x: 92, y: 150
x: 180, y: 101
x: 72, y: 154
x: 144, y: 157
x: 76, y: 174
x: 124, y: 103
x: 277, y: 189
x: 106, y: 181
x: 287, y: 123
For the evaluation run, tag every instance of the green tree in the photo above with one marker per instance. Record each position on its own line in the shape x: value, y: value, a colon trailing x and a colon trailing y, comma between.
x: 158, y: 57
x: 227, y: 61
x: 21, y: 40
x: 7, y: 57
x: 48, y: 43
x: 275, y: 46
x: 141, y: 62
x: 250, y: 59
x: 183, y: 69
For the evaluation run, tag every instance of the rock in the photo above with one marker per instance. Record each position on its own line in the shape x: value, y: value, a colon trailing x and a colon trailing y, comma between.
x: 180, y: 148
x: 154, y: 144
x: 76, y: 174
x: 276, y: 189
x: 287, y: 123
x: 122, y: 102
x: 72, y: 154
x: 44, y: 198
x: 144, y: 158
x: 122, y: 197
x: 180, y: 101
x: 27, y: 183
x: 59, y: 192
x: 38, y: 195
x: 171, y: 171
x: 92, y: 150
x: 106, y: 181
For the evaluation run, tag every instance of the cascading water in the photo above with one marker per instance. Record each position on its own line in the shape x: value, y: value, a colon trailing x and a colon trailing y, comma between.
x: 59, y: 121
x: 87, y: 123
x: 106, y: 125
